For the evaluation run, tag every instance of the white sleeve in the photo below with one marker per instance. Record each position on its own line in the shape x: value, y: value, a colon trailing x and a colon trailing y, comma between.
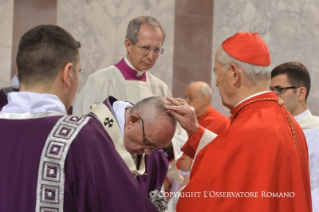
x: 312, y: 136
x: 207, y: 137
x: 179, y: 139
x: 314, y: 172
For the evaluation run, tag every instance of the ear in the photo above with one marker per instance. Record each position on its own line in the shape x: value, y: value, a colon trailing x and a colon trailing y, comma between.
x: 132, y: 121
x: 128, y: 45
x: 236, y: 74
x: 206, y: 99
x: 302, y: 94
x: 66, y: 73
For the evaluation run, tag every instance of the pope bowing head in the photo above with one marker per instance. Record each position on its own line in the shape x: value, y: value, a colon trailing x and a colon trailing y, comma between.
x: 148, y: 127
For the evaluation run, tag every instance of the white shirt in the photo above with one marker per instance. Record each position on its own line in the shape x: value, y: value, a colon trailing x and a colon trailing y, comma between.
x: 310, y: 126
x: 31, y: 102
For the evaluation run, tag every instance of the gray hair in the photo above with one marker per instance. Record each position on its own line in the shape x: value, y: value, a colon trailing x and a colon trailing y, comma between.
x: 135, y: 24
x: 253, y: 72
x: 152, y: 108
x: 206, y: 90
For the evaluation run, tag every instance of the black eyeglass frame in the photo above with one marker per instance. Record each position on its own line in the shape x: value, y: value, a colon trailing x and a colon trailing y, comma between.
x: 278, y: 89
x: 144, y: 141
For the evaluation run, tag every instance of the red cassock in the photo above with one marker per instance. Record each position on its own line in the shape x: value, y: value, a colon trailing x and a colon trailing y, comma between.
x: 254, y: 165
x: 213, y: 121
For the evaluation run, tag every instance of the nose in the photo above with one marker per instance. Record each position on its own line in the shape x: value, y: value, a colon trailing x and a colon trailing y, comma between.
x: 150, y: 55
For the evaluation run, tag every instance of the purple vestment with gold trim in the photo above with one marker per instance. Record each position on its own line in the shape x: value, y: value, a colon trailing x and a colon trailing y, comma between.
x: 96, y: 178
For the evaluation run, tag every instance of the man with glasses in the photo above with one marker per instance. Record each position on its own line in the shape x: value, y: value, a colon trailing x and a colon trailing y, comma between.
x: 145, y: 127
x: 51, y: 161
x: 129, y: 80
x: 291, y: 82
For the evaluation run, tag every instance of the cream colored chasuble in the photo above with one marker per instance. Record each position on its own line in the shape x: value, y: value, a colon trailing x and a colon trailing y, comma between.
x: 109, y: 122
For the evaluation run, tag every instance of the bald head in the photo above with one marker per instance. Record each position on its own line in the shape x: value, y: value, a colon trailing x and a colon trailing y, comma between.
x: 198, y: 94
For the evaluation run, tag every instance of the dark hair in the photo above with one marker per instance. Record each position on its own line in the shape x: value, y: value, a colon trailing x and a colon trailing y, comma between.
x: 297, y: 74
x: 43, y: 51
x: 135, y: 24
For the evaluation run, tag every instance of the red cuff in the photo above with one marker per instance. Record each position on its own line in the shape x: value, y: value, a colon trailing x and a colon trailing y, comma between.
x: 190, y: 147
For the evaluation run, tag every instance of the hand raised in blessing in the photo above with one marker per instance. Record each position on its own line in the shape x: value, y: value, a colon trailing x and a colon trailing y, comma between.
x: 184, y: 114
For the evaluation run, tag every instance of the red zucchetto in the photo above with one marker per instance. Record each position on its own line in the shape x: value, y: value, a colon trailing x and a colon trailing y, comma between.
x: 248, y: 47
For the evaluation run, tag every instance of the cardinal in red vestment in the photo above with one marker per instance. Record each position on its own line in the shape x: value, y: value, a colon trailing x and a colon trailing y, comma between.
x: 260, y: 163
x: 199, y: 95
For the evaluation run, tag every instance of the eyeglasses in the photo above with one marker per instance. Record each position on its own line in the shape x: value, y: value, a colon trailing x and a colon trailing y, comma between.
x: 278, y: 89
x: 146, y: 50
x: 146, y: 142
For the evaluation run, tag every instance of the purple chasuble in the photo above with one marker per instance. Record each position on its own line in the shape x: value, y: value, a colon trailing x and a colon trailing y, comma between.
x: 156, y: 164
x: 96, y: 178
x: 128, y: 72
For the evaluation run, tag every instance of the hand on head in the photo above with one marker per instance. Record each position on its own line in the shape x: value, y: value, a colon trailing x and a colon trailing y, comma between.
x: 184, y: 114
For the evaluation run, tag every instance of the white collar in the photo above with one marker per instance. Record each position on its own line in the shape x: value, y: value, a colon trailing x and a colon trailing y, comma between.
x: 24, y: 102
x: 256, y: 94
x: 303, y: 114
x: 119, y: 110
x: 138, y: 73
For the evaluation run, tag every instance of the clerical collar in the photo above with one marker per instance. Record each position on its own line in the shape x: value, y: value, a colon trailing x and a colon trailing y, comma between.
x: 256, y: 94
x: 129, y: 72
x: 24, y: 102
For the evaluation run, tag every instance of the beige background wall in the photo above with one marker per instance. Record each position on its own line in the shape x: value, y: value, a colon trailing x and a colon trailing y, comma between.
x: 194, y: 30
x: 100, y: 26
x: 290, y: 28
x: 6, y: 25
